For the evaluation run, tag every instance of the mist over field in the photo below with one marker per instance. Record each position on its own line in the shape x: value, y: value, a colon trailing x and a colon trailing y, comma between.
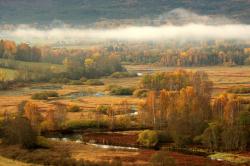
x: 132, y: 33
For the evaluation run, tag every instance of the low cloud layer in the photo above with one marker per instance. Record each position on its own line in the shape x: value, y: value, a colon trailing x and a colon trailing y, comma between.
x: 146, y: 33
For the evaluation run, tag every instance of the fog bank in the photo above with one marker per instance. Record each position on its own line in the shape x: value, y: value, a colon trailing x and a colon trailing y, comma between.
x: 131, y: 33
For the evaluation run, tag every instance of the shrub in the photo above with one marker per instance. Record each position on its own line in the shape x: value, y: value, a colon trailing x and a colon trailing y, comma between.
x: 95, y: 82
x: 39, y: 96
x: 148, y: 138
x: 140, y: 93
x: 81, y: 124
x: 162, y: 159
x: 44, y: 95
x: 75, y: 82
x: 74, y: 108
x: 51, y: 94
x: 123, y: 75
x: 122, y: 91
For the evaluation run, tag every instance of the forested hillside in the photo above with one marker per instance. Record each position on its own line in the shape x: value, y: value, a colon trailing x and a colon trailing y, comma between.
x: 90, y: 11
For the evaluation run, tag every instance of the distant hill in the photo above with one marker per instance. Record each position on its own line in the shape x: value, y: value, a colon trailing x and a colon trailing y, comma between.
x: 91, y: 11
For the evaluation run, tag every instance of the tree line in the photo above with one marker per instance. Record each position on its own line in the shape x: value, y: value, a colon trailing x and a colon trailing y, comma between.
x: 177, y: 53
x: 167, y: 53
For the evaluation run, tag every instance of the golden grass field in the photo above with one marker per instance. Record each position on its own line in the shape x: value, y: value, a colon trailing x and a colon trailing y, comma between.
x: 223, y: 78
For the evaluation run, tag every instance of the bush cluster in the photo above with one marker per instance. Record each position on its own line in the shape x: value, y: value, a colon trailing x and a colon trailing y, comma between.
x: 84, y: 124
x: 118, y: 90
x: 73, y: 108
x: 44, y: 95
x: 94, y: 82
x: 123, y: 75
x: 148, y: 138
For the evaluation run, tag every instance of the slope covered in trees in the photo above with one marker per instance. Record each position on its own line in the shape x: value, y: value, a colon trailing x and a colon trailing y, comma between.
x: 89, y: 11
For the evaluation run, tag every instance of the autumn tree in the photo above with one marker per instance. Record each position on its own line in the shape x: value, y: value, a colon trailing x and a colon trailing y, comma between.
x: 32, y: 112
x: 227, y: 108
x: 167, y: 106
x: 54, y: 119
x: 151, y: 109
x: 111, y: 117
x: 218, y: 107
x: 10, y: 49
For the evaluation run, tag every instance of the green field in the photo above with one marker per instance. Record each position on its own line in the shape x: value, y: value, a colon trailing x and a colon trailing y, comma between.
x: 10, y: 73
x: 10, y: 67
